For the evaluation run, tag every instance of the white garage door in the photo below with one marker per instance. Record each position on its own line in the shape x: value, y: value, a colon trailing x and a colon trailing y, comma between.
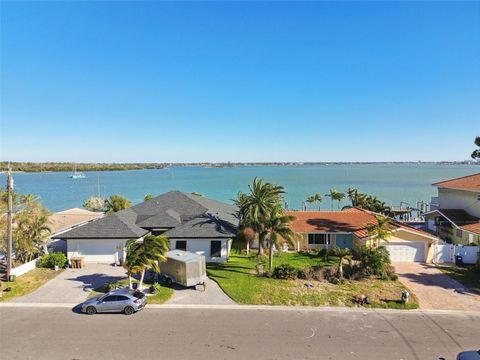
x: 101, y: 251
x: 411, y: 251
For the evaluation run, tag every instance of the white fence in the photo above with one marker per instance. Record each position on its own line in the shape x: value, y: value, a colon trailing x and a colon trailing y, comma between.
x: 24, y: 268
x: 446, y: 253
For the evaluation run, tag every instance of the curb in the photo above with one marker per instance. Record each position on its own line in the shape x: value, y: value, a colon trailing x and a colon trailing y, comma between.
x: 258, y: 308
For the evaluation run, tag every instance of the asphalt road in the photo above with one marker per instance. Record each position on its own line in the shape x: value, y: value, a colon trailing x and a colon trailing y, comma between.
x: 60, y: 333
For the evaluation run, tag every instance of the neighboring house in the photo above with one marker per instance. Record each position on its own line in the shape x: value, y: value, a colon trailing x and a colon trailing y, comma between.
x: 348, y: 229
x: 66, y: 220
x: 456, y: 217
x: 63, y: 221
x: 191, y: 222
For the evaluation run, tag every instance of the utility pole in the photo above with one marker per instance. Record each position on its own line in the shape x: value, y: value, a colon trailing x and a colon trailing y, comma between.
x: 10, y: 222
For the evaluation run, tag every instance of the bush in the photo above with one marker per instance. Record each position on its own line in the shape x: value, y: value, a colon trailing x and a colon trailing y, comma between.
x: 352, y: 272
x: 322, y: 252
x: 330, y: 274
x: 379, y: 261
x: 114, y: 285
x: 374, y: 261
x: 285, y: 271
x: 155, y: 288
x: 333, y: 251
x: 51, y: 260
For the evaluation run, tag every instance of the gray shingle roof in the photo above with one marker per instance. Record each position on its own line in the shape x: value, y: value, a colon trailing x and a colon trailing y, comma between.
x: 186, y: 215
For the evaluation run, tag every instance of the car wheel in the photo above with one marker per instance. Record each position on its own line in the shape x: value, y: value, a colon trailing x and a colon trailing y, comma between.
x: 169, y: 281
x: 91, y: 310
x: 128, y: 310
x: 163, y: 279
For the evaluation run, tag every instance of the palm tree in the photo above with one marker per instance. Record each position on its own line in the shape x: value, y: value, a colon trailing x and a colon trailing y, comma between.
x: 116, y: 203
x: 338, y: 196
x: 145, y: 254
x: 94, y: 203
x: 335, y: 195
x: 381, y: 230
x: 278, y: 226
x: 133, y: 260
x: 314, y: 199
x: 255, y: 206
x: 32, y: 232
x: 352, y: 194
x: 342, y: 254
x: 476, y: 153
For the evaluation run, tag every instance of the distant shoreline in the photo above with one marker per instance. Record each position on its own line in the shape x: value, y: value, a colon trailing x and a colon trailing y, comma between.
x: 23, y: 167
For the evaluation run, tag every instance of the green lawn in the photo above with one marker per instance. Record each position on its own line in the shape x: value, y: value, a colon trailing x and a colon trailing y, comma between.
x: 27, y: 283
x: 238, y: 279
x: 162, y: 296
x: 467, y: 275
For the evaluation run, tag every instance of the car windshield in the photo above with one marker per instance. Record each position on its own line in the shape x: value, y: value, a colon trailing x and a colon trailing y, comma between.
x: 139, y: 294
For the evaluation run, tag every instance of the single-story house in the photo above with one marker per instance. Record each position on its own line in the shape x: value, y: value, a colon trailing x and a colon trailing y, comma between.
x: 191, y: 222
x: 348, y: 229
x: 66, y: 220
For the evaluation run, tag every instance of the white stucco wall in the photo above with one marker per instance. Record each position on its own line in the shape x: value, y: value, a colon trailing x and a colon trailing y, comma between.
x: 202, y: 247
x: 24, y: 268
x: 458, y: 199
x: 97, y: 250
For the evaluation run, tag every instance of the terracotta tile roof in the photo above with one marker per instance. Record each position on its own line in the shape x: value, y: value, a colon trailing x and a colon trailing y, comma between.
x: 474, y: 228
x: 351, y: 220
x: 469, y: 183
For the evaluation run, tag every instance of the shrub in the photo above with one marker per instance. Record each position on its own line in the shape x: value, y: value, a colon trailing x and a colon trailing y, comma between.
x: 394, y: 277
x: 374, y: 261
x: 113, y: 285
x: 330, y: 274
x: 322, y: 252
x: 333, y: 251
x: 352, y: 272
x: 155, y: 288
x: 52, y: 260
x: 379, y: 261
x: 285, y: 271
x: 306, y: 274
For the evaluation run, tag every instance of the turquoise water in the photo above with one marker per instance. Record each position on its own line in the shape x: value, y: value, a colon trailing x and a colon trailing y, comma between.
x: 390, y: 182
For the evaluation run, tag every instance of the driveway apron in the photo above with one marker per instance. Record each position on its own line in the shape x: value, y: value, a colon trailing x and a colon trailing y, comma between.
x: 213, y: 295
x: 434, y: 289
x: 74, y: 285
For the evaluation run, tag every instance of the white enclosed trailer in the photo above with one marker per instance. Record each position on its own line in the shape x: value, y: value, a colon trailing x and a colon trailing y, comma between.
x: 184, y: 268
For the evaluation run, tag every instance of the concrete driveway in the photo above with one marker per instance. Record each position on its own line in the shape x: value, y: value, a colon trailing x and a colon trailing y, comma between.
x: 73, y: 285
x: 434, y: 289
x: 213, y: 295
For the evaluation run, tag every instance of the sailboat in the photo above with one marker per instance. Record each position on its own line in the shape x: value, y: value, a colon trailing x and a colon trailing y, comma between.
x: 76, y: 175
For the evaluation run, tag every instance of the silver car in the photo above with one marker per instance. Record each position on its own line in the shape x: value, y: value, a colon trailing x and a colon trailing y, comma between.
x: 123, y: 300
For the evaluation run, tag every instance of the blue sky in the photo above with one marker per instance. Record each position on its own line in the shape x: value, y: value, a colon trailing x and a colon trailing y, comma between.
x: 239, y: 81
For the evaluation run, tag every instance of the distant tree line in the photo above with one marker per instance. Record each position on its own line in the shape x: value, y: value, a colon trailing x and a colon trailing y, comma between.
x: 69, y: 166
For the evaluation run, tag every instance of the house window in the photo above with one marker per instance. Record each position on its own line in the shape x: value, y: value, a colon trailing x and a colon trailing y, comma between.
x: 459, y: 233
x: 215, y: 248
x: 181, y: 245
x: 318, y: 239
